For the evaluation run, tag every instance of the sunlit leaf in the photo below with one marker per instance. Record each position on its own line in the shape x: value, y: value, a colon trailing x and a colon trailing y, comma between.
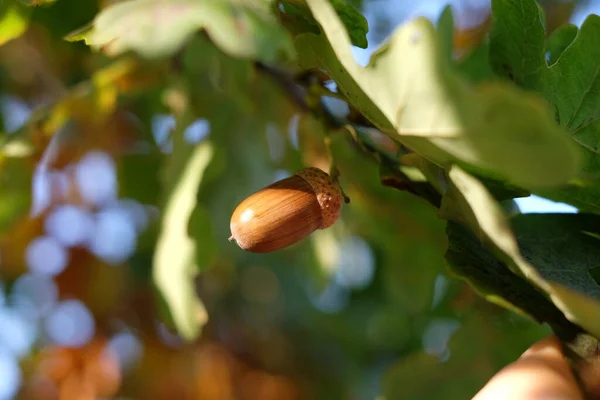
x: 410, y: 88
x: 468, y: 202
x: 155, y: 28
x: 205, y: 104
x: 175, y: 255
x: 14, y: 20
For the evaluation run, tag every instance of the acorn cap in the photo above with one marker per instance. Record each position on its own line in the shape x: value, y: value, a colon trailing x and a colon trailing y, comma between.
x: 328, y: 192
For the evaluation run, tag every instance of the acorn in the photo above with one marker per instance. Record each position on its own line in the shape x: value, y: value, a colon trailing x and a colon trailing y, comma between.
x: 286, y: 211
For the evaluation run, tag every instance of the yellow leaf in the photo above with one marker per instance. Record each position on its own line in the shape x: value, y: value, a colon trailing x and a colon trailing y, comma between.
x: 14, y: 19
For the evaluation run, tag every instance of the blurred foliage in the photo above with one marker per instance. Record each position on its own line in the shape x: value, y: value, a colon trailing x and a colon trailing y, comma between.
x: 132, y: 129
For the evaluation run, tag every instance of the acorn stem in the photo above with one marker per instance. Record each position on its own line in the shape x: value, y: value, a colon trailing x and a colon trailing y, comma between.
x: 334, y: 171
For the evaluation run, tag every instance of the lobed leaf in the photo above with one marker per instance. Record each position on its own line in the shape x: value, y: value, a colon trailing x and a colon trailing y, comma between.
x: 410, y: 89
x: 158, y: 28
x: 574, y: 80
x: 559, y: 41
x: 569, y: 78
x: 517, y: 42
x: 574, y: 88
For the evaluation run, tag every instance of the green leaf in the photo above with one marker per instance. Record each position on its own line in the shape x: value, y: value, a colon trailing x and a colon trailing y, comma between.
x: 517, y: 42
x: 583, y: 193
x: 468, y: 202
x: 14, y: 20
x: 502, y: 190
x: 175, y: 254
x: 562, y: 247
x: 157, y: 28
x: 559, y: 41
x: 354, y: 22
x: 409, y: 89
x: 476, y: 66
x: 139, y: 177
x: 402, y: 77
x: 574, y: 80
x: 469, y: 258
x: 577, y: 100
x: 517, y: 50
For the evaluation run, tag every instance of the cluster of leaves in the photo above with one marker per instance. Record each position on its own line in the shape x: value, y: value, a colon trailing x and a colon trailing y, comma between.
x: 461, y: 136
x: 532, y: 124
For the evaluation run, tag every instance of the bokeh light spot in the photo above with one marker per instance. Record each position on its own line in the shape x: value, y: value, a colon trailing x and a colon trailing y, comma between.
x: 34, y: 295
x: 134, y: 211
x: 275, y: 143
x: 11, y: 376
x: 46, y: 256
x: 281, y: 174
x: 96, y: 178
x: 440, y: 287
x: 293, y: 130
x: 70, y: 324
x: 2, y: 291
x: 14, y: 113
x: 41, y: 191
x: 197, y: 131
x: 17, y: 334
x: 127, y: 347
x: 337, y: 107
x: 356, y: 265
x: 437, y: 334
x: 162, y: 124
x: 331, y: 300
x: 115, y: 237
x: 70, y: 225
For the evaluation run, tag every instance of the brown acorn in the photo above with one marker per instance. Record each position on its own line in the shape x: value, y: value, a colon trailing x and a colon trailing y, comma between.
x: 286, y: 211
